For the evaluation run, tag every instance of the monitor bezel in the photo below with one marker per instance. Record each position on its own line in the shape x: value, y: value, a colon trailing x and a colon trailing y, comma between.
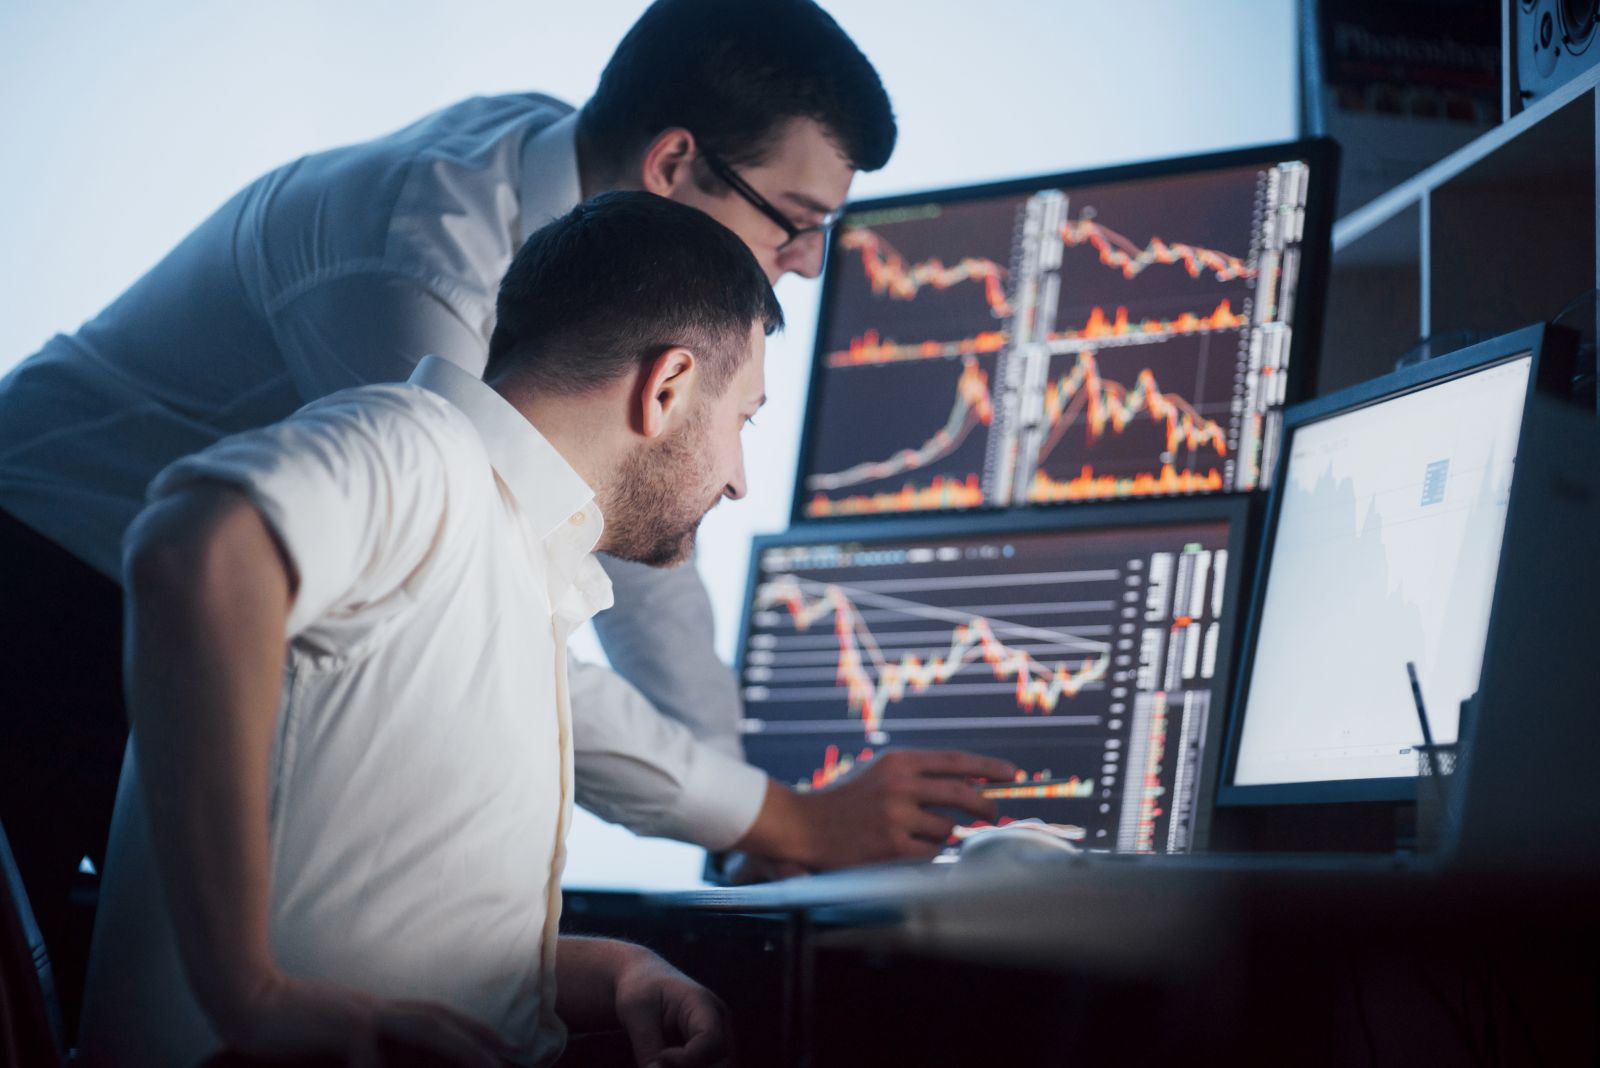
x: 1550, y: 373
x: 1238, y: 510
x: 1321, y: 153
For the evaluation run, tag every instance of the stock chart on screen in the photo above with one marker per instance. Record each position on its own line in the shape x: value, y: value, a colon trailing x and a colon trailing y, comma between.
x: 1066, y: 341
x: 1087, y: 657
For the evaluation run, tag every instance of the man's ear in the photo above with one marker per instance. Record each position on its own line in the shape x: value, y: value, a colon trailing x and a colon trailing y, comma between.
x: 665, y: 391
x: 667, y: 163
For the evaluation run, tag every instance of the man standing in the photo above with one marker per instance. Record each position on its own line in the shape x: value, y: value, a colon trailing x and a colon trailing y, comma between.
x: 352, y: 767
x: 345, y: 268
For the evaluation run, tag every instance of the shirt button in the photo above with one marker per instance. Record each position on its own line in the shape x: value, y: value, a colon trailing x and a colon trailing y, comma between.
x: 578, y: 519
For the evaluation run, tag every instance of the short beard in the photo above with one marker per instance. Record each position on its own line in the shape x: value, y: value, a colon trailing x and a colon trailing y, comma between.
x: 655, y: 502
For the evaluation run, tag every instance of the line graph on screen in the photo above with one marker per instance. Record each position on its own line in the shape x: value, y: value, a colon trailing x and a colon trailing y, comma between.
x: 1127, y: 258
x: 889, y: 274
x: 872, y: 679
x: 973, y: 407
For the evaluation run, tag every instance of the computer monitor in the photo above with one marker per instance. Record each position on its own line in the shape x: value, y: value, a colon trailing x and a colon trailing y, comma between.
x: 1088, y: 648
x: 1127, y: 332
x: 1381, y: 548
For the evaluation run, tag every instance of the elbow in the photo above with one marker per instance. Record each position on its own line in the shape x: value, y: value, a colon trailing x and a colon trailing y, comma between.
x: 161, y: 549
x: 207, y: 542
x: 151, y: 552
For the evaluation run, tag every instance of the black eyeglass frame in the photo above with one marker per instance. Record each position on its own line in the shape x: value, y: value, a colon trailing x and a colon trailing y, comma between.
x: 731, y: 178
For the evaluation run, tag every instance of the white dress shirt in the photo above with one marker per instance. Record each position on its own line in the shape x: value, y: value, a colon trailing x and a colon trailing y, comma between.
x: 345, y: 268
x: 421, y: 781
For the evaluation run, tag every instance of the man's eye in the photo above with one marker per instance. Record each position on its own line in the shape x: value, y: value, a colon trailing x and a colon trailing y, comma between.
x: 749, y: 420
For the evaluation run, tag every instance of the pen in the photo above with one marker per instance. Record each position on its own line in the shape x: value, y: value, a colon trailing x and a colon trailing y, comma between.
x: 1428, y: 747
x: 1422, y: 710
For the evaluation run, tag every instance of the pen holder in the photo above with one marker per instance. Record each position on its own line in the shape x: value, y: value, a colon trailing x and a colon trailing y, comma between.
x: 1436, y: 768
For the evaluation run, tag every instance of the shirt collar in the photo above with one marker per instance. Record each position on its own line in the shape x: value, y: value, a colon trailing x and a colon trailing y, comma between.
x: 550, y: 174
x: 549, y: 492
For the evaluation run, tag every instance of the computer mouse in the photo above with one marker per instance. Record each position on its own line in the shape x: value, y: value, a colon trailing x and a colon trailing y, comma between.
x: 1016, y: 844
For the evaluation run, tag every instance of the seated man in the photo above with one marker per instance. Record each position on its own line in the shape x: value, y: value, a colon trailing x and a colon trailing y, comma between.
x: 342, y: 818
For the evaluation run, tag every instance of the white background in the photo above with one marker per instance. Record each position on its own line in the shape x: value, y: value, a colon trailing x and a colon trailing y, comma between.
x: 124, y: 125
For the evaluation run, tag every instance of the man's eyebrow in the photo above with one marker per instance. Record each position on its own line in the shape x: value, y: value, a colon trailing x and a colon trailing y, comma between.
x: 806, y: 203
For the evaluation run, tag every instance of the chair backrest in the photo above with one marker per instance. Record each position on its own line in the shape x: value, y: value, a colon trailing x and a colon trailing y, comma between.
x: 30, y: 1016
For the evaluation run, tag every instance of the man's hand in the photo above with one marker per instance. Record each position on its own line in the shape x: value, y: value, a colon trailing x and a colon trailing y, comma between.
x: 294, y: 1020
x: 672, y: 1021
x: 879, y: 812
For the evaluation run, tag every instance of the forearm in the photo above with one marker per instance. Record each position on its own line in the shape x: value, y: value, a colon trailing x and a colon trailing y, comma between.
x: 208, y: 599
x: 782, y: 829
x: 650, y: 773
x: 586, y: 980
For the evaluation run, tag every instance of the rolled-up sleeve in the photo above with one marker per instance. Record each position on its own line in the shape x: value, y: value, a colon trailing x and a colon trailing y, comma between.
x: 355, y: 506
x: 651, y: 774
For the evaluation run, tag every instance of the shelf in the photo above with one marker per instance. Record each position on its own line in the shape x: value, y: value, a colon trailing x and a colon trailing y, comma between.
x: 1497, y: 235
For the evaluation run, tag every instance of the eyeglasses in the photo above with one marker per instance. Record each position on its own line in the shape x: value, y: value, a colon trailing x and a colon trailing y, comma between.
x: 764, y: 206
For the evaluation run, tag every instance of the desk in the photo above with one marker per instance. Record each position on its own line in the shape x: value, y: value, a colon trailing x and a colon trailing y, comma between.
x: 1331, y: 961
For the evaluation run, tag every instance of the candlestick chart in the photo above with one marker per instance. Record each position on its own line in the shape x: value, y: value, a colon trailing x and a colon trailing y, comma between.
x: 837, y: 763
x: 1041, y: 790
x: 1039, y: 784
x: 1045, y: 649
x: 1132, y: 338
x: 1111, y: 424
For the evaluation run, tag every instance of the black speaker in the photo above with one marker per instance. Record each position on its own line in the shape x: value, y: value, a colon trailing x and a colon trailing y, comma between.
x: 1553, y: 41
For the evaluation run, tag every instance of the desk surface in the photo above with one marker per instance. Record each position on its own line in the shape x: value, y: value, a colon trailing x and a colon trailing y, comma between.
x: 1137, y: 913
x: 924, y: 881
x: 1320, y: 959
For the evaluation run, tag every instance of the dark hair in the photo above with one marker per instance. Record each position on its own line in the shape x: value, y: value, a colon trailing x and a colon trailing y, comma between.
x: 730, y: 72
x: 620, y: 279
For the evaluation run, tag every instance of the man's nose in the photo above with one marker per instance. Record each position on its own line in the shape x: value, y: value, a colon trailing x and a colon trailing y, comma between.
x: 804, y: 257
x: 735, y: 489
